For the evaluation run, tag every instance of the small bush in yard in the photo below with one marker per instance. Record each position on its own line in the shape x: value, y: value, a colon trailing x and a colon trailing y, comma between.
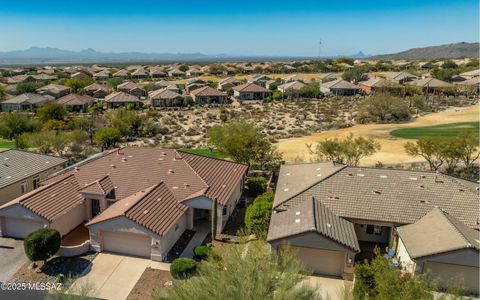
x: 182, y: 268
x: 256, y: 186
x: 201, y: 251
x: 266, y: 197
x: 42, y: 244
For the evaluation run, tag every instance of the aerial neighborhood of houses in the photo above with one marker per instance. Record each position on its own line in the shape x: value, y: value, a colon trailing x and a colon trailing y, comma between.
x: 150, y: 197
x: 170, y: 86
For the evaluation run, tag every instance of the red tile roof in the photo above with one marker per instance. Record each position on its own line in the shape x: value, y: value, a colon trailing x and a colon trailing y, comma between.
x: 51, y: 200
x: 208, y: 91
x: 251, y: 88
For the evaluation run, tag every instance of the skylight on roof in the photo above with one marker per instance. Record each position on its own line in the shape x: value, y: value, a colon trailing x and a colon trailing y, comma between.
x: 383, y: 176
x: 360, y: 174
x: 297, y: 220
x: 297, y: 213
x: 413, y: 178
x: 285, y: 189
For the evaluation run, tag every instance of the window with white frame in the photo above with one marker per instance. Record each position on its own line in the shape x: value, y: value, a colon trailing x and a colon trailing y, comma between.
x: 23, y: 187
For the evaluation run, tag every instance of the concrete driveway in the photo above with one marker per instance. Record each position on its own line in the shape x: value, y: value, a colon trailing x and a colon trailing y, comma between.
x: 329, y: 287
x: 112, y: 276
x: 12, y: 257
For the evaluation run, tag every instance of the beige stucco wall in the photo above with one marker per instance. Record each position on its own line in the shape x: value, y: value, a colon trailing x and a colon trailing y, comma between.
x: 171, y: 237
x: 70, y: 219
x: 18, y: 211
x: 315, y: 240
x: 404, y: 258
x: 13, y: 190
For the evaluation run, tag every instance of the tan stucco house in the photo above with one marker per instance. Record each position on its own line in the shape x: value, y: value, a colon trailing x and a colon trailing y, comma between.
x: 443, y: 247
x: 333, y: 215
x: 135, y: 201
x: 22, y: 171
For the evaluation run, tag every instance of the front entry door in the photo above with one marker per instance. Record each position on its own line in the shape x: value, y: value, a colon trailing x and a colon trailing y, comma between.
x: 95, y: 207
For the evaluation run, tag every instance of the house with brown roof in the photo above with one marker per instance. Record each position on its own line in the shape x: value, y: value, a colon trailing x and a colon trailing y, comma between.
x: 401, y: 77
x: 291, y: 87
x: 208, y: 95
x: 75, y: 102
x: 22, y: 171
x: 193, y: 84
x: 228, y: 83
x: 157, y: 72
x: 333, y: 215
x: 121, y: 99
x: 377, y: 84
x: 55, y: 90
x: 132, y: 88
x: 27, y: 101
x: 165, y: 98
x: 139, y: 73
x: 80, y: 75
x: 339, y: 87
x: 20, y: 79
x: 102, y: 75
x: 135, y: 200
x: 259, y: 79
x: 441, y: 245
x: 431, y: 85
x: 250, y: 91
x: 122, y: 73
x: 97, y: 90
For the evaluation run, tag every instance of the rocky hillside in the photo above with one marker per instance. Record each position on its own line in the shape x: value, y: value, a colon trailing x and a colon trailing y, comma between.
x: 443, y: 51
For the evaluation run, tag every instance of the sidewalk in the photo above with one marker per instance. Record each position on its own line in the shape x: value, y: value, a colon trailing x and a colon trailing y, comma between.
x: 202, y: 230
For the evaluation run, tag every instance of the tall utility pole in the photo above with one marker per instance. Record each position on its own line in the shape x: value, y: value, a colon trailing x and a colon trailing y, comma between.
x: 319, y: 49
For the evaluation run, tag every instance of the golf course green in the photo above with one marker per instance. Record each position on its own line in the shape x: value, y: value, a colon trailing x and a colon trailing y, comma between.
x: 444, y: 130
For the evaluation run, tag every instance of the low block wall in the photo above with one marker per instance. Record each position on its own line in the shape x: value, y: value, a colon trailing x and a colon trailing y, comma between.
x: 68, y: 251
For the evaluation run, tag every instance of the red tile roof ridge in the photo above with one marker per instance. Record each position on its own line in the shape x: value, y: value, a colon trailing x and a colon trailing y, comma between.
x: 26, y: 196
x: 97, y: 181
x: 193, y: 170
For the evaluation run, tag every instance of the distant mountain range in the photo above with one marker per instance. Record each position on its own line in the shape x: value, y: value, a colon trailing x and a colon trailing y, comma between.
x: 49, y: 55
x: 443, y: 51
x: 36, y: 55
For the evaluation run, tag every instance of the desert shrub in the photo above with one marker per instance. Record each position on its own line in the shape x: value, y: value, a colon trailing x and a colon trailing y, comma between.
x: 383, y: 108
x: 182, y: 268
x: 201, y: 251
x: 245, y: 271
x: 378, y: 279
x: 42, y: 244
x: 256, y: 186
x: 107, y: 137
x: 266, y: 197
x: 257, y: 218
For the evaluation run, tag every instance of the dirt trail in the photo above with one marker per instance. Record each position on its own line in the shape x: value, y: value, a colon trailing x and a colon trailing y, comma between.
x: 392, y: 150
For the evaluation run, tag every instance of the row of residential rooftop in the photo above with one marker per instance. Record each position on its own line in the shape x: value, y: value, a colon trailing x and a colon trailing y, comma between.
x: 227, y: 68
x: 332, y: 215
x: 259, y: 87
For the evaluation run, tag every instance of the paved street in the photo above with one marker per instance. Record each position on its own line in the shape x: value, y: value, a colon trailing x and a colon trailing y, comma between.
x: 12, y: 257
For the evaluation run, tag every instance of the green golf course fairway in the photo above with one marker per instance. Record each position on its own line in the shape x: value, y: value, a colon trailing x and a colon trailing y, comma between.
x: 6, y: 144
x: 444, y: 130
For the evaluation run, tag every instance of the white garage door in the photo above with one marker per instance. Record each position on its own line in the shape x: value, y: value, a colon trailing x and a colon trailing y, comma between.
x: 321, y: 261
x: 127, y: 243
x: 448, y: 274
x: 20, y: 228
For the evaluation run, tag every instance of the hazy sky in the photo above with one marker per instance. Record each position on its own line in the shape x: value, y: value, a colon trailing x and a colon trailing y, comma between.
x: 237, y: 27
